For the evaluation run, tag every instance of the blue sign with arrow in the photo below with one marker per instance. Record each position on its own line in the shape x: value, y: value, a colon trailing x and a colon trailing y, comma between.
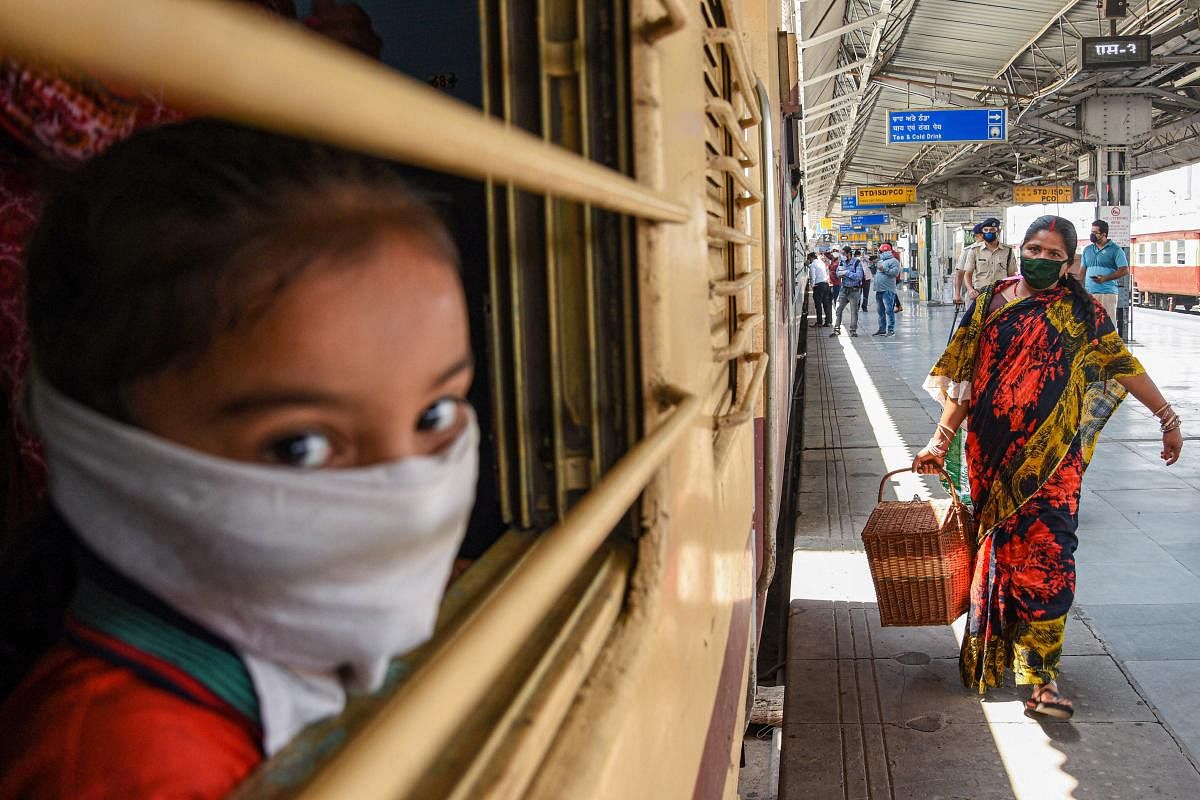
x: 851, y: 204
x: 869, y: 219
x: 921, y: 126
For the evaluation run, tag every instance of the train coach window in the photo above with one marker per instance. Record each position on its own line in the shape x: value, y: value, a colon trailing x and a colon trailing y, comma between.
x: 1181, y: 252
x: 1153, y: 253
x: 563, y: 316
x: 552, y: 289
x: 735, y: 313
x: 553, y: 299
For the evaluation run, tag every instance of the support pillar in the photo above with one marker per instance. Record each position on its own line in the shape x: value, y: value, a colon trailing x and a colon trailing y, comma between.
x: 1113, y: 190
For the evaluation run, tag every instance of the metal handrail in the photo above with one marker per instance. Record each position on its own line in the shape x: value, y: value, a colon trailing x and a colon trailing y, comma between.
x: 239, y: 63
x: 393, y: 750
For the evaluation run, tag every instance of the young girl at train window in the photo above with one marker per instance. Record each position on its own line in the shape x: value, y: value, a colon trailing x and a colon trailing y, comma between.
x: 252, y: 359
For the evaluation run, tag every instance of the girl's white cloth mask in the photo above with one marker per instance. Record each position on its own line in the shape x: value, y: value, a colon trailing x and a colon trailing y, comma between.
x: 309, y: 575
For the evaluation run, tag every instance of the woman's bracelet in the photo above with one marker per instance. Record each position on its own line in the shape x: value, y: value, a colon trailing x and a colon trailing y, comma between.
x: 1171, y: 424
x: 947, y: 430
x: 932, y: 447
x: 1165, y: 406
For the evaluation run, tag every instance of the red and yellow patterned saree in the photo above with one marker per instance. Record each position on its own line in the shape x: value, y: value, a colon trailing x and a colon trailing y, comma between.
x: 1041, y: 385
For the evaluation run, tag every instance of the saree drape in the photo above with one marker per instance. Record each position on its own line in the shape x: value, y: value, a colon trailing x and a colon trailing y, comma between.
x: 1041, y: 383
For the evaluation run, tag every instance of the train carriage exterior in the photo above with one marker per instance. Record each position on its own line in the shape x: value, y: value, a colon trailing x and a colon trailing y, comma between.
x: 638, y: 320
x: 1166, y: 269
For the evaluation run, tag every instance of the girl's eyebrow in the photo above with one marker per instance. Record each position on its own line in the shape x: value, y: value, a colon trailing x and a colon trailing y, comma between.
x: 274, y: 398
x: 464, y: 363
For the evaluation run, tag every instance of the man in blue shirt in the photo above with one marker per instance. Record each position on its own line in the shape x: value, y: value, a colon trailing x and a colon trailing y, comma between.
x: 850, y: 270
x: 1104, y: 263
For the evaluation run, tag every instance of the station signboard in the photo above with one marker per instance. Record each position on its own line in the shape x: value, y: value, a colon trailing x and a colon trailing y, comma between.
x: 1114, y: 52
x: 869, y: 219
x: 886, y: 195
x: 851, y: 204
x: 826, y: 224
x: 923, y: 125
x: 1042, y: 194
x: 851, y: 228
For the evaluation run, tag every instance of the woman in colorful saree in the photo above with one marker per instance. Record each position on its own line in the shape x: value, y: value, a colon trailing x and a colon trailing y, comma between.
x: 1036, y: 368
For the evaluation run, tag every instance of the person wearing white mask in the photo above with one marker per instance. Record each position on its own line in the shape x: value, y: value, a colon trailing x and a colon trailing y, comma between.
x: 251, y: 363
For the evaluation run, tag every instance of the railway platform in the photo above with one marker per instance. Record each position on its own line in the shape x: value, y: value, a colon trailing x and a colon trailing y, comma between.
x: 880, y: 713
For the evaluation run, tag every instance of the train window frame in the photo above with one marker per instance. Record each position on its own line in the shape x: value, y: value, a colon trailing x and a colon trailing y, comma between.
x: 1181, y: 253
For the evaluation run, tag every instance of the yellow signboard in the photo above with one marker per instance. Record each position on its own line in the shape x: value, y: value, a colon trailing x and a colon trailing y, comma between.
x: 1041, y: 194
x: 886, y: 195
x: 826, y: 223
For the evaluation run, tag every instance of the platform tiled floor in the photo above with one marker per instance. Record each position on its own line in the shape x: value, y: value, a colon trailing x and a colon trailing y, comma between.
x: 880, y: 713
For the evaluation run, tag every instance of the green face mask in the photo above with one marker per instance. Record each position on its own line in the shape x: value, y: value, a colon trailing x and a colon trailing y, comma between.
x: 1040, y: 273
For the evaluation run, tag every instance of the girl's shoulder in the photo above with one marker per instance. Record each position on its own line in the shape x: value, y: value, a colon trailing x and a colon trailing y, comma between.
x: 93, y: 728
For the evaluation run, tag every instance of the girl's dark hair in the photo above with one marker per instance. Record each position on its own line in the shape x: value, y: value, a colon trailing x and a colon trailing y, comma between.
x: 1066, y: 229
x: 150, y: 250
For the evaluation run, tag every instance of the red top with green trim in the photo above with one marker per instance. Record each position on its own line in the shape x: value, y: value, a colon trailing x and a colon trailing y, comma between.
x: 136, y: 702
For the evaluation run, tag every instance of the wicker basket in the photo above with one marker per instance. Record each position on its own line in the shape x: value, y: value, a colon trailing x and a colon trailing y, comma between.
x: 920, y: 553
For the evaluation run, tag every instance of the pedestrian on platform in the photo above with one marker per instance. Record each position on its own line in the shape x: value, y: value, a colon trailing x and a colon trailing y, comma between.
x: 898, y: 254
x: 868, y: 273
x: 851, y: 272
x: 1104, y: 263
x: 1036, y: 370
x: 885, y: 290
x: 835, y: 280
x: 818, y: 275
x: 967, y: 255
x: 869, y: 276
x: 984, y: 263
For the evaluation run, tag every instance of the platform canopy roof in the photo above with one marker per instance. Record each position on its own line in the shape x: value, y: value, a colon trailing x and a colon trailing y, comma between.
x: 860, y: 59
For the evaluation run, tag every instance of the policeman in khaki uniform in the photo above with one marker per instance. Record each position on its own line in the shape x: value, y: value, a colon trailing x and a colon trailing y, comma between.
x: 984, y: 262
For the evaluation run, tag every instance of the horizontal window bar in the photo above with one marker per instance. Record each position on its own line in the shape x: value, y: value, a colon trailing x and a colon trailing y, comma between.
x: 732, y: 42
x: 738, y: 284
x: 431, y: 706
x: 241, y: 64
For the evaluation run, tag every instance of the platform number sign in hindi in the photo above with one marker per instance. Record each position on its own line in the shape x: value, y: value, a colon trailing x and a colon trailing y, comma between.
x: 1114, y: 52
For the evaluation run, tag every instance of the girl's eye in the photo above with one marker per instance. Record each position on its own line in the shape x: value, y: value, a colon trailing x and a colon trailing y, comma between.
x: 307, y: 450
x: 439, y: 417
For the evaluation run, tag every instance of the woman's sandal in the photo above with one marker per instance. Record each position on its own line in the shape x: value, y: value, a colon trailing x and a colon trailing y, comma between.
x: 1049, y: 705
